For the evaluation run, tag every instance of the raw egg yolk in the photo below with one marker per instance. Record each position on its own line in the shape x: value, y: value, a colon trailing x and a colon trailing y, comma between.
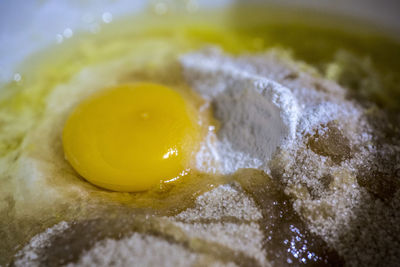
x: 131, y: 137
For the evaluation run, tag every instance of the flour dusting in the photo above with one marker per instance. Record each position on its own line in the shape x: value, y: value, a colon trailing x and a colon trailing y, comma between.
x: 257, y: 115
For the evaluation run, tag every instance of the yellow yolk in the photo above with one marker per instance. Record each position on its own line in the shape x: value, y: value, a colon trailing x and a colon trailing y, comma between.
x: 131, y: 137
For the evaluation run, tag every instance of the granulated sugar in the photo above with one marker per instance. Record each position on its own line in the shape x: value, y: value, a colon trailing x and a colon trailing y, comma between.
x: 220, y: 230
x: 334, y: 148
x: 31, y: 253
x: 140, y: 250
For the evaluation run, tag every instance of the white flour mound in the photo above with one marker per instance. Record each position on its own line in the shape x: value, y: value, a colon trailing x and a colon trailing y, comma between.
x: 257, y: 115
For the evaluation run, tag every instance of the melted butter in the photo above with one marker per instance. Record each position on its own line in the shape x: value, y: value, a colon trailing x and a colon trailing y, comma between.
x: 286, y: 237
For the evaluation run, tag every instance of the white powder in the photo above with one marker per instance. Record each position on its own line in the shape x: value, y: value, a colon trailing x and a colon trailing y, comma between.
x: 257, y: 115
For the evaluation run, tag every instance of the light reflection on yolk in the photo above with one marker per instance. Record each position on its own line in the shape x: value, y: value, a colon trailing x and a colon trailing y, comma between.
x: 131, y: 137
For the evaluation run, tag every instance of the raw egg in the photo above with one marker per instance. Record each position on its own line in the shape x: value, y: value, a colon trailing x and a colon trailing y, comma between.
x: 131, y: 137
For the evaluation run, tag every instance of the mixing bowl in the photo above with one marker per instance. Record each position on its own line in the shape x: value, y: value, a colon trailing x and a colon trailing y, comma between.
x: 28, y: 26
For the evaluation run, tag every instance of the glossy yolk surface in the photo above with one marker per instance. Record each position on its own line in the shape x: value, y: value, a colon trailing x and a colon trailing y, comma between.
x: 131, y: 137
